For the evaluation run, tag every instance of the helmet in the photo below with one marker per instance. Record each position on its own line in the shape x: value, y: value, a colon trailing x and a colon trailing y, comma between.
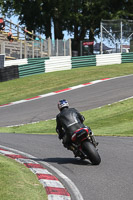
x: 62, y: 104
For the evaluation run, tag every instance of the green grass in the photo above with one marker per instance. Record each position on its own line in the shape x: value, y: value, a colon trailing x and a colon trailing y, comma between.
x: 109, y: 120
x: 18, y: 183
x: 32, y: 86
x: 112, y: 120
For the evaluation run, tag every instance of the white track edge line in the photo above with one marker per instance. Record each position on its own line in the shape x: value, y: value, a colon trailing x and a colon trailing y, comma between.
x: 55, y: 118
x: 72, y: 186
x: 55, y: 93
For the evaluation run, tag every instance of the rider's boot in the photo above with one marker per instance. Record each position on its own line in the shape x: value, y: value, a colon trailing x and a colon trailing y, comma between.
x: 73, y: 149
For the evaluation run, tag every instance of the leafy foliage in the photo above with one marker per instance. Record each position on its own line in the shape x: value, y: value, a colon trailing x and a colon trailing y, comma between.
x: 80, y: 18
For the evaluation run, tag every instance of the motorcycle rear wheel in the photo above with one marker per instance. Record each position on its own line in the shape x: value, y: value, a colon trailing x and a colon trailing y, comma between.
x: 91, y: 152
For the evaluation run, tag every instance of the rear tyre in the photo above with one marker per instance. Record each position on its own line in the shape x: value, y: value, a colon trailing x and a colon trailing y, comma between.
x: 91, y: 152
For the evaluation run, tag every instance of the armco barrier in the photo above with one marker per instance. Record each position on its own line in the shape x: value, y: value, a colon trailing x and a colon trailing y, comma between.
x: 127, y: 57
x: 23, y: 61
x: 58, y: 63
x: 35, y: 60
x: 34, y: 66
x: 108, y: 59
x: 83, y: 61
x: 30, y: 69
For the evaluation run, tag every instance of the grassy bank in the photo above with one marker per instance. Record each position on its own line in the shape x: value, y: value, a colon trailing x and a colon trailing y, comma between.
x: 115, y: 119
x: 18, y: 182
x: 31, y: 86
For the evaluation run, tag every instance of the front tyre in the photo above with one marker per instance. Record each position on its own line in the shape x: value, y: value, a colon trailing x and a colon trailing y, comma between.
x: 91, y: 152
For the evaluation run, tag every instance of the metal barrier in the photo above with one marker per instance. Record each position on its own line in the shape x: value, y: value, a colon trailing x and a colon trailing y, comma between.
x: 27, y: 44
x: 108, y: 59
x: 19, y: 32
x: 34, y: 66
x: 35, y: 49
x: 59, y: 63
x: 83, y: 61
x: 127, y: 57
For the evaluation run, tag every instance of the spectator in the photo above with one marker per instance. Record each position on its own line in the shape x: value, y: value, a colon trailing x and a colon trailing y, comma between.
x: 2, y: 24
x: 10, y: 36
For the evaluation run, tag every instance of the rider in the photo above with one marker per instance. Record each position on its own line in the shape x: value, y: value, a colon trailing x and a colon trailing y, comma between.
x: 68, y: 121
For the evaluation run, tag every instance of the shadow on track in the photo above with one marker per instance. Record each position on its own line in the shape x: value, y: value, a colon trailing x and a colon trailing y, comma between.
x: 58, y: 160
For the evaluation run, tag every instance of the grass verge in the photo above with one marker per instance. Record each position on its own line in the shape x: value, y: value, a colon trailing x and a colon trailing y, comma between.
x: 18, y: 182
x: 32, y: 86
x: 110, y: 120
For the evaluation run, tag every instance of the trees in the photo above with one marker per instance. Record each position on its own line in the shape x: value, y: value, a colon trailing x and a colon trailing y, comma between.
x: 79, y: 17
x: 31, y: 14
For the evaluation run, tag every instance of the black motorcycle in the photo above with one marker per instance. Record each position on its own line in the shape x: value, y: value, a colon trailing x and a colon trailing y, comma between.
x: 84, y: 145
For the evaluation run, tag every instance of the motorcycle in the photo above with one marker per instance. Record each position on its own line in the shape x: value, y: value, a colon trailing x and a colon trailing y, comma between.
x: 84, y: 145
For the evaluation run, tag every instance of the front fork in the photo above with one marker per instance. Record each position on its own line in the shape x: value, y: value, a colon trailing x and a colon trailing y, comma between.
x: 92, y: 140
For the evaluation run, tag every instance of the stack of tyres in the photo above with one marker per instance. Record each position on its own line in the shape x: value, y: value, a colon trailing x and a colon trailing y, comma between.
x: 9, y: 73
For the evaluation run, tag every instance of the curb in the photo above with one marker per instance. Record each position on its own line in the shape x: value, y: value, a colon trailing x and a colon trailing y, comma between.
x: 56, y: 92
x: 54, y: 188
x: 63, y: 90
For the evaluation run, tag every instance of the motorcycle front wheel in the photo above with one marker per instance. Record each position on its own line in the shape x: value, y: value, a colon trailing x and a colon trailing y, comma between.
x: 91, y: 152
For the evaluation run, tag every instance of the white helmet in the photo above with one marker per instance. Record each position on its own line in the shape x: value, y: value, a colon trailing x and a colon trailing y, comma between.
x: 62, y: 104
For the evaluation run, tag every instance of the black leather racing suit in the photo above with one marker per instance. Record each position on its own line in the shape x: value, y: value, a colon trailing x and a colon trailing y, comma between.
x: 68, y: 121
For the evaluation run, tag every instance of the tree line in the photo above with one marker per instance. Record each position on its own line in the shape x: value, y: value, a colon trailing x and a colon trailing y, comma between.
x: 80, y: 18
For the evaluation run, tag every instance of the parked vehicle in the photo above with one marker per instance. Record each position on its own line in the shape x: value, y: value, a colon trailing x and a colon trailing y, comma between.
x: 124, y: 50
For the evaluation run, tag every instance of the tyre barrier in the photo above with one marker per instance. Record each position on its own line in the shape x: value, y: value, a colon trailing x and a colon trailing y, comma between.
x: 9, y: 73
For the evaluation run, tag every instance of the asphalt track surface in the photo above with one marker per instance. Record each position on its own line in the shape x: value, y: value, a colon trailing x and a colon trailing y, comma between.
x: 85, y: 98
x: 113, y: 178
